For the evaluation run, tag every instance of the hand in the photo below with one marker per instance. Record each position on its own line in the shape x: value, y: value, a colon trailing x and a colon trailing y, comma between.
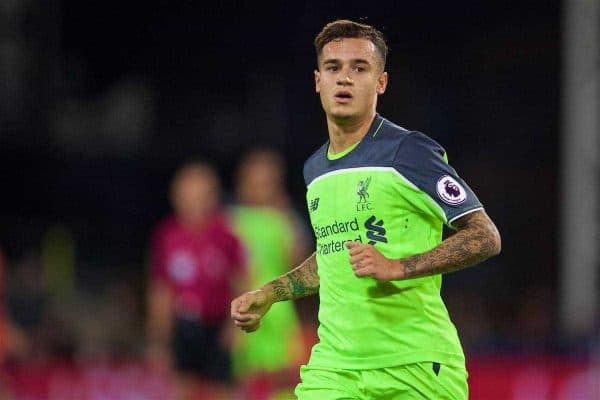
x: 366, y: 260
x: 248, y: 309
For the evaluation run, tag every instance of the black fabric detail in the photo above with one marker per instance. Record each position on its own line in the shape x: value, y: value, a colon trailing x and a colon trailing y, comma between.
x: 197, y: 350
x: 436, y: 368
x: 413, y: 154
x: 379, y: 151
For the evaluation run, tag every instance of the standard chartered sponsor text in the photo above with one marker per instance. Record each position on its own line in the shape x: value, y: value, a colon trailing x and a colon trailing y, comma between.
x: 334, y: 228
x: 322, y: 231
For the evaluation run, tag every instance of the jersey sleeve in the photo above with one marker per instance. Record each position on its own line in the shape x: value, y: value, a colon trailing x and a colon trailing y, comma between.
x: 423, y: 162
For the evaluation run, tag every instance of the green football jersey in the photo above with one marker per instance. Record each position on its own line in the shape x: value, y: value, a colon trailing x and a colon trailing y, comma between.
x: 267, y: 236
x: 394, y: 190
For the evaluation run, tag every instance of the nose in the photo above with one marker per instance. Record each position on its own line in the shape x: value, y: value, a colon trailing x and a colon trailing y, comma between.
x: 345, y: 81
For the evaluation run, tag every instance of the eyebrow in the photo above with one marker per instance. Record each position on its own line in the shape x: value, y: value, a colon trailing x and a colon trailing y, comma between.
x: 354, y: 61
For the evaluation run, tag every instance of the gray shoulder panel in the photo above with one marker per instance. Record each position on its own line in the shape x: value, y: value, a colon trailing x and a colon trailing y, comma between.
x: 414, y: 155
x: 420, y: 159
x: 377, y: 149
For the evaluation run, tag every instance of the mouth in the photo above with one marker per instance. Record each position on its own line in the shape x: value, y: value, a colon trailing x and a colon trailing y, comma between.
x: 343, y: 96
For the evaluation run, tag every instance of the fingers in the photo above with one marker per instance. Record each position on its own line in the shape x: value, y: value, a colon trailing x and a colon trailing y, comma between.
x: 357, y: 248
x: 350, y: 244
x: 251, y: 328
x: 354, y: 246
x: 361, y: 267
x: 239, y: 310
x: 236, y: 310
x: 364, y: 271
x: 248, y: 323
x: 241, y: 304
x: 241, y: 316
x: 357, y: 261
x: 362, y: 258
x: 359, y: 254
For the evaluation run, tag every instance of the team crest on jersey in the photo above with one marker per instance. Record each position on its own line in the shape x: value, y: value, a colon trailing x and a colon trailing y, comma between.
x: 362, y: 190
x: 450, y: 191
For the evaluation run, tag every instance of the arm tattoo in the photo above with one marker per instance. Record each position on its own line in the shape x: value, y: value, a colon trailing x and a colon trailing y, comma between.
x: 299, y: 282
x: 477, y: 239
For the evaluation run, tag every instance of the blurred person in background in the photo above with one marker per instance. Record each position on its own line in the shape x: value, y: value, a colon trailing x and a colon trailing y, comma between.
x: 378, y: 197
x: 30, y: 311
x: 14, y: 343
x: 198, y: 265
x: 260, y: 182
x: 266, y: 364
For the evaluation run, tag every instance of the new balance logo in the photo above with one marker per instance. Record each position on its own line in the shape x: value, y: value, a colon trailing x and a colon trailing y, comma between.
x: 314, y: 204
x: 375, y: 230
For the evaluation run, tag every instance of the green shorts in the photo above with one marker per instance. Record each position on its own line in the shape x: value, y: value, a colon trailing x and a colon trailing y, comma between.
x: 424, y: 380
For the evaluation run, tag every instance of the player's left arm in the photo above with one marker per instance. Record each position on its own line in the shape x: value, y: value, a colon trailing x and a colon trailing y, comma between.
x: 476, y: 240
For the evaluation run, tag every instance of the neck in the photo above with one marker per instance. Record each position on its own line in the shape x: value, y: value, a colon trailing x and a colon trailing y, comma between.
x: 195, y: 224
x: 343, y: 134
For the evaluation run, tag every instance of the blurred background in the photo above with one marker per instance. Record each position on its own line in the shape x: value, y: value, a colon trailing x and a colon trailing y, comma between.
x: 100, y: 102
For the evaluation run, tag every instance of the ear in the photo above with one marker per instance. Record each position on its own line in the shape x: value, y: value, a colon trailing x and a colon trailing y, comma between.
x: 317, y: 81
x: 382, y: 82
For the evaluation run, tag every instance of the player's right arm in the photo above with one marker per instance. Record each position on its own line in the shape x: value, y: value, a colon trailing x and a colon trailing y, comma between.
x: 248, y: 309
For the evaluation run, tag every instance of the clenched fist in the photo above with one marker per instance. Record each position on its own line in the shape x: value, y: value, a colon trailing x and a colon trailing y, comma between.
x: 248, y: 309
x: 366, y: 260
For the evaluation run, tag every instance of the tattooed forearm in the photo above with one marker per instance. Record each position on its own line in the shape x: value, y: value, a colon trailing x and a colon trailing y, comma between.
x: 477, y: 239
x: 300, y: 282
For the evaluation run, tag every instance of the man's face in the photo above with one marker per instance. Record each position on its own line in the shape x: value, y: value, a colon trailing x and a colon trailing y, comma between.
x: 349, y: 79
x: 261, y: 181
x: 195, y: 196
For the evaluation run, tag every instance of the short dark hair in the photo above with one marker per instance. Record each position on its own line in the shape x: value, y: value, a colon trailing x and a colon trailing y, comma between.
x: 344, y: 28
